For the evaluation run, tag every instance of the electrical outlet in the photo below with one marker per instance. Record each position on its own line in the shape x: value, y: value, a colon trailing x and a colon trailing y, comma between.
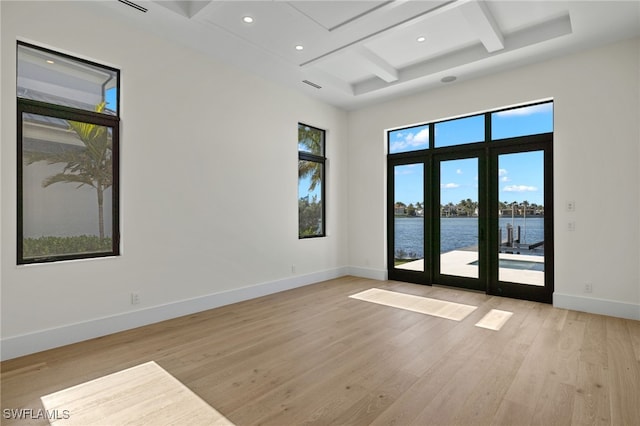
x: 588, y: 288
x: 571, y: 226
x: 135, y: 298
x: 571, y: 206
x: 293, y: 269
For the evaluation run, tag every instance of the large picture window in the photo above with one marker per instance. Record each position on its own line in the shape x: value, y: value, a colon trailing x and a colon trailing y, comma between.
x: 311, y: 176
x: 68, y: 128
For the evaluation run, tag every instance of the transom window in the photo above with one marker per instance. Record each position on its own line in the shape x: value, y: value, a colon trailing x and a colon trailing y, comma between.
x: 526, y: 120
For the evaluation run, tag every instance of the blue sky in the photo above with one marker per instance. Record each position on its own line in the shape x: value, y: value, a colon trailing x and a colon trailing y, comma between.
x: 520, y: 175
x: 111, y: 97
x: 303, y: 189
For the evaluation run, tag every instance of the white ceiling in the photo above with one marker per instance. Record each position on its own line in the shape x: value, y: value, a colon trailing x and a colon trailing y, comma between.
x: 362, y: 52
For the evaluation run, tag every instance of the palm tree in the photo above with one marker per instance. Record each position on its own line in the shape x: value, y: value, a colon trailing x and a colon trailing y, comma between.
x: 91, y: 165
x: 311, y: 140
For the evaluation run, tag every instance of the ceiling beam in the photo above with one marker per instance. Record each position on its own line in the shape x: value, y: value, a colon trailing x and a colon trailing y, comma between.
x: 378, y: 66
x: 467, y: 60
x: 483, y: 24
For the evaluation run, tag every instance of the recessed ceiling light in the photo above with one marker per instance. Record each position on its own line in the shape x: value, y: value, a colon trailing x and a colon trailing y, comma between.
x: 421, y: 39
x: 449, y: 79
x: 247, y: 19
x: 299, y: 47
x: 49, y: 61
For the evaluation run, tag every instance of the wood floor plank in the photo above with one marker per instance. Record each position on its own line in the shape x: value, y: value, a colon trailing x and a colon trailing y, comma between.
x: 564, y: 364
x: 314, y: 355
x: 484, y: 401
x: 393, y: 384
x: 634, y: 332
x: 554, y: 405
x: 437, y: 376
x: 591, y: 405
x: 512, y: 413
x: 283, y: 403
x: 624, y: 374
x: 528, y: 384
x: 594, y: 345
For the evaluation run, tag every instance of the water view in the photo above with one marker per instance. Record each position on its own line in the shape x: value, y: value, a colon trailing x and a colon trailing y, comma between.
x: 458, y: 233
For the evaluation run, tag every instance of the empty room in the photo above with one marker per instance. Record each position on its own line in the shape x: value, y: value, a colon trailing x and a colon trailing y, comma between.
x: 385, y: 212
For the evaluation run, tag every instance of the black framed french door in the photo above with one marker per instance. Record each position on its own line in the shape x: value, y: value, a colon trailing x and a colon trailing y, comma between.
x: 409, y: 220
x: 520, y: 256
x: 459, y: 219
x: 478, y: 240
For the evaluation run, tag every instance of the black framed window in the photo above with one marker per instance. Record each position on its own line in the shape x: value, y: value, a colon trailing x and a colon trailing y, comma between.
x: 311, y: 182
x: 68, y: 145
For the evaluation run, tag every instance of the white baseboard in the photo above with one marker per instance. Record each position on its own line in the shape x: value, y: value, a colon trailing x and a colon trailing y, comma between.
x: 374, y: 274
x: 15, y: 346
x: 612, y: 308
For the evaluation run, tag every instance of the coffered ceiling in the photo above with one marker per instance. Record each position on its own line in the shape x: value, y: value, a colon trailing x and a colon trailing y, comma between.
x: 354, y: 53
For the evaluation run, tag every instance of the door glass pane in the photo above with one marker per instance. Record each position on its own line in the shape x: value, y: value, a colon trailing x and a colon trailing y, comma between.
x: 521, y: 218
x: 409, y: 217
x: 459, y: 131
x: 459, y: 217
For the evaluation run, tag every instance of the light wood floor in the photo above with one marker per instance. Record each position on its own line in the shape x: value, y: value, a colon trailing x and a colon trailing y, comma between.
x: 315, y: 356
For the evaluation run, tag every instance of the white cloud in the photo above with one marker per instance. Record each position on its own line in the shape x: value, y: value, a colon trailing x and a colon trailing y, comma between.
x: 520, y: 188
x: 548, y: 107
x: 406, y: 169
x: 502, y: 172
x: 422, y: 136
x: 505, y: 179
x: 459, y: 171
x: 407, y: 140
x: 450, y: 185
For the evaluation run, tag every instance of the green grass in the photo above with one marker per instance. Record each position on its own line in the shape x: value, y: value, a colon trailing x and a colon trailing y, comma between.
x: 57, y: 246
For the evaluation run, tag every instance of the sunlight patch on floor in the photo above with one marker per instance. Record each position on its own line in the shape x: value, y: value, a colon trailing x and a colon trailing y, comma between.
x: 142, y: 395
x: 494, y: 320
x: 424, y: 305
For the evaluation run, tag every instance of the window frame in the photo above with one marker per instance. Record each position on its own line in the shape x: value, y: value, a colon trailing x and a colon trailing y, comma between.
x: 52, y: 110
x: 321, y: 160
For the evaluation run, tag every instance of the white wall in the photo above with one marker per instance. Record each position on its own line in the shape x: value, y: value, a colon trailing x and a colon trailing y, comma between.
x: 596, y: 162
x: 208, y: 187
